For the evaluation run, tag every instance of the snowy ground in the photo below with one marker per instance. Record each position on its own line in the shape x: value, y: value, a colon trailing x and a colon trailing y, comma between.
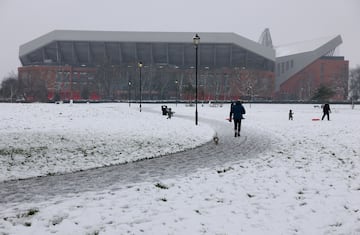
x: 308, y: 182
x: 43, y: 139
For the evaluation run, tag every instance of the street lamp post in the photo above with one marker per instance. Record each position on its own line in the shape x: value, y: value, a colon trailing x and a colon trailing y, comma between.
x: 140, y: 66
x: 177, y: 87
x: 129, y: 93
x: 196, y: 41
x: 250, y: 93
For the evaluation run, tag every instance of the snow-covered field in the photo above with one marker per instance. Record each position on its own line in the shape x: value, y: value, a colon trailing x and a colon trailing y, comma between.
x: 43, y: 139
x: 308, y: 182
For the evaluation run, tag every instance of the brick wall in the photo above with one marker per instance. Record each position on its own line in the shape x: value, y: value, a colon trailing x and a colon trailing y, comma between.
x: 328, y: 71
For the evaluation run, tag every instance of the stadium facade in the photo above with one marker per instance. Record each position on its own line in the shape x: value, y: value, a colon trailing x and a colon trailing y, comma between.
x: 301, y: 68
x: 94, y: 65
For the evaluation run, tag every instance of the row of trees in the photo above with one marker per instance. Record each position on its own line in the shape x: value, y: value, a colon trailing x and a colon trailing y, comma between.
x: 12, y: 89
x: 115, y: 81
x: 9, y: 86
x: 354, y: 84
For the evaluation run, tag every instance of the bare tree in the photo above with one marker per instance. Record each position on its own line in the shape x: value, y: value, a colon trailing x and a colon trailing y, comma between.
x: 355, y: 83
x: 10, y: 87
x: 323, y: 93
x: 105, y: 76
x: 33, y: 88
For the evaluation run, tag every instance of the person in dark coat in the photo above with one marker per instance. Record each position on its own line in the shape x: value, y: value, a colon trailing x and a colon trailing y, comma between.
x: 237, y: 111
x: 326, y: 111
x: 291, y: 114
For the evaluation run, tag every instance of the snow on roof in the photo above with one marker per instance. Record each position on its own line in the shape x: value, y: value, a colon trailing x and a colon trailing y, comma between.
x: 300, y: 47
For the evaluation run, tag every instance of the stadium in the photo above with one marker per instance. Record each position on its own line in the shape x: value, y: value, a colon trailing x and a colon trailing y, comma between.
x: 110, y: 65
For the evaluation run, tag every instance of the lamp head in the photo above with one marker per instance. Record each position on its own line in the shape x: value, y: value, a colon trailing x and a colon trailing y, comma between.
x: 196, y: 40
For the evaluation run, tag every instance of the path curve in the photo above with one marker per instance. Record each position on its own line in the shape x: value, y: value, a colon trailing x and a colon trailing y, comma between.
x: 229, y: 150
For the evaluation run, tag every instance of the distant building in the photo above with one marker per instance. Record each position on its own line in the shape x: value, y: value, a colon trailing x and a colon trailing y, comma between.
x: 94, y: 65
x: 301, y: 68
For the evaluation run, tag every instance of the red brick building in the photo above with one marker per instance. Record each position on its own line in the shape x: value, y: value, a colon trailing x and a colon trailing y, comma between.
x: 66, y: 82
x: 331, y: 72
x: 301, y: 68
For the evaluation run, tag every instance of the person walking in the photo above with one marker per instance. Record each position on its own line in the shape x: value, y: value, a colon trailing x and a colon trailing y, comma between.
x: 326, y: 111
x: 291, y: 114
x: 237, y: 111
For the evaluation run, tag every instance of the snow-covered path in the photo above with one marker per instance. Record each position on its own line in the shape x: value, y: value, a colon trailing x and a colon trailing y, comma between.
x: 250, y: 144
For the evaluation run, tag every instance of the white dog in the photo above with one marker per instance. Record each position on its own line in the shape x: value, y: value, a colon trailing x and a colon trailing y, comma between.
x: 216, y: 139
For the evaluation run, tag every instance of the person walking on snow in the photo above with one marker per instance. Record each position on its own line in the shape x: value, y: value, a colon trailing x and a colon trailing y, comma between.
x: 291, y: 114
x: 326, y: 111
x: 237, y: 111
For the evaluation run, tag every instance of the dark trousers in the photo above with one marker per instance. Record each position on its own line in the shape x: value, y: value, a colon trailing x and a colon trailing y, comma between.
x: 326, y: 114
x: 237, y: 125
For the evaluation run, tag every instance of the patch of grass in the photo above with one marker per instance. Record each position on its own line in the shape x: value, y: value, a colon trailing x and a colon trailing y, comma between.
x: 32, y: 211
x: 224, y: 170
x: 11, y: 151
x: 250, y: 195
x: 337, y: 224
x: 57, y: 220
x: 94, y: 233
x: 19, y: 151
x: 162, y: 186
x: 341, y: 160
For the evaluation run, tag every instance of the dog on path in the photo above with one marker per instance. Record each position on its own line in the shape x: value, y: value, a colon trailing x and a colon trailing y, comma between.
x: 216, y: 139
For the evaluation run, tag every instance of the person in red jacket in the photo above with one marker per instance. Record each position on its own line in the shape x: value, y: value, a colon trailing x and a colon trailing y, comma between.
x: 237, y: 111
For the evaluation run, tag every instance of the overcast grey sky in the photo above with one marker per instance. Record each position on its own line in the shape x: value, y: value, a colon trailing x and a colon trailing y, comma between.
x: 288, y: 20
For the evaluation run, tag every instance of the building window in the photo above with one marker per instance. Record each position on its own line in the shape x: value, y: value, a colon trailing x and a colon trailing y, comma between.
x: 287, y: 65
x: 282, y: 67
x: 291, y: 63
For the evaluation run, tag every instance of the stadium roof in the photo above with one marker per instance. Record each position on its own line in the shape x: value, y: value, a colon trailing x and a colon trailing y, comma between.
x: 59, y: 45
x: 301, y: 47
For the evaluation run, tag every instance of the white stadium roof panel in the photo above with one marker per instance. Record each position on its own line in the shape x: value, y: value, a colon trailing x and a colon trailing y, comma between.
x: 150, y: 37
x: 301, y: 47
x: 302, y: 54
